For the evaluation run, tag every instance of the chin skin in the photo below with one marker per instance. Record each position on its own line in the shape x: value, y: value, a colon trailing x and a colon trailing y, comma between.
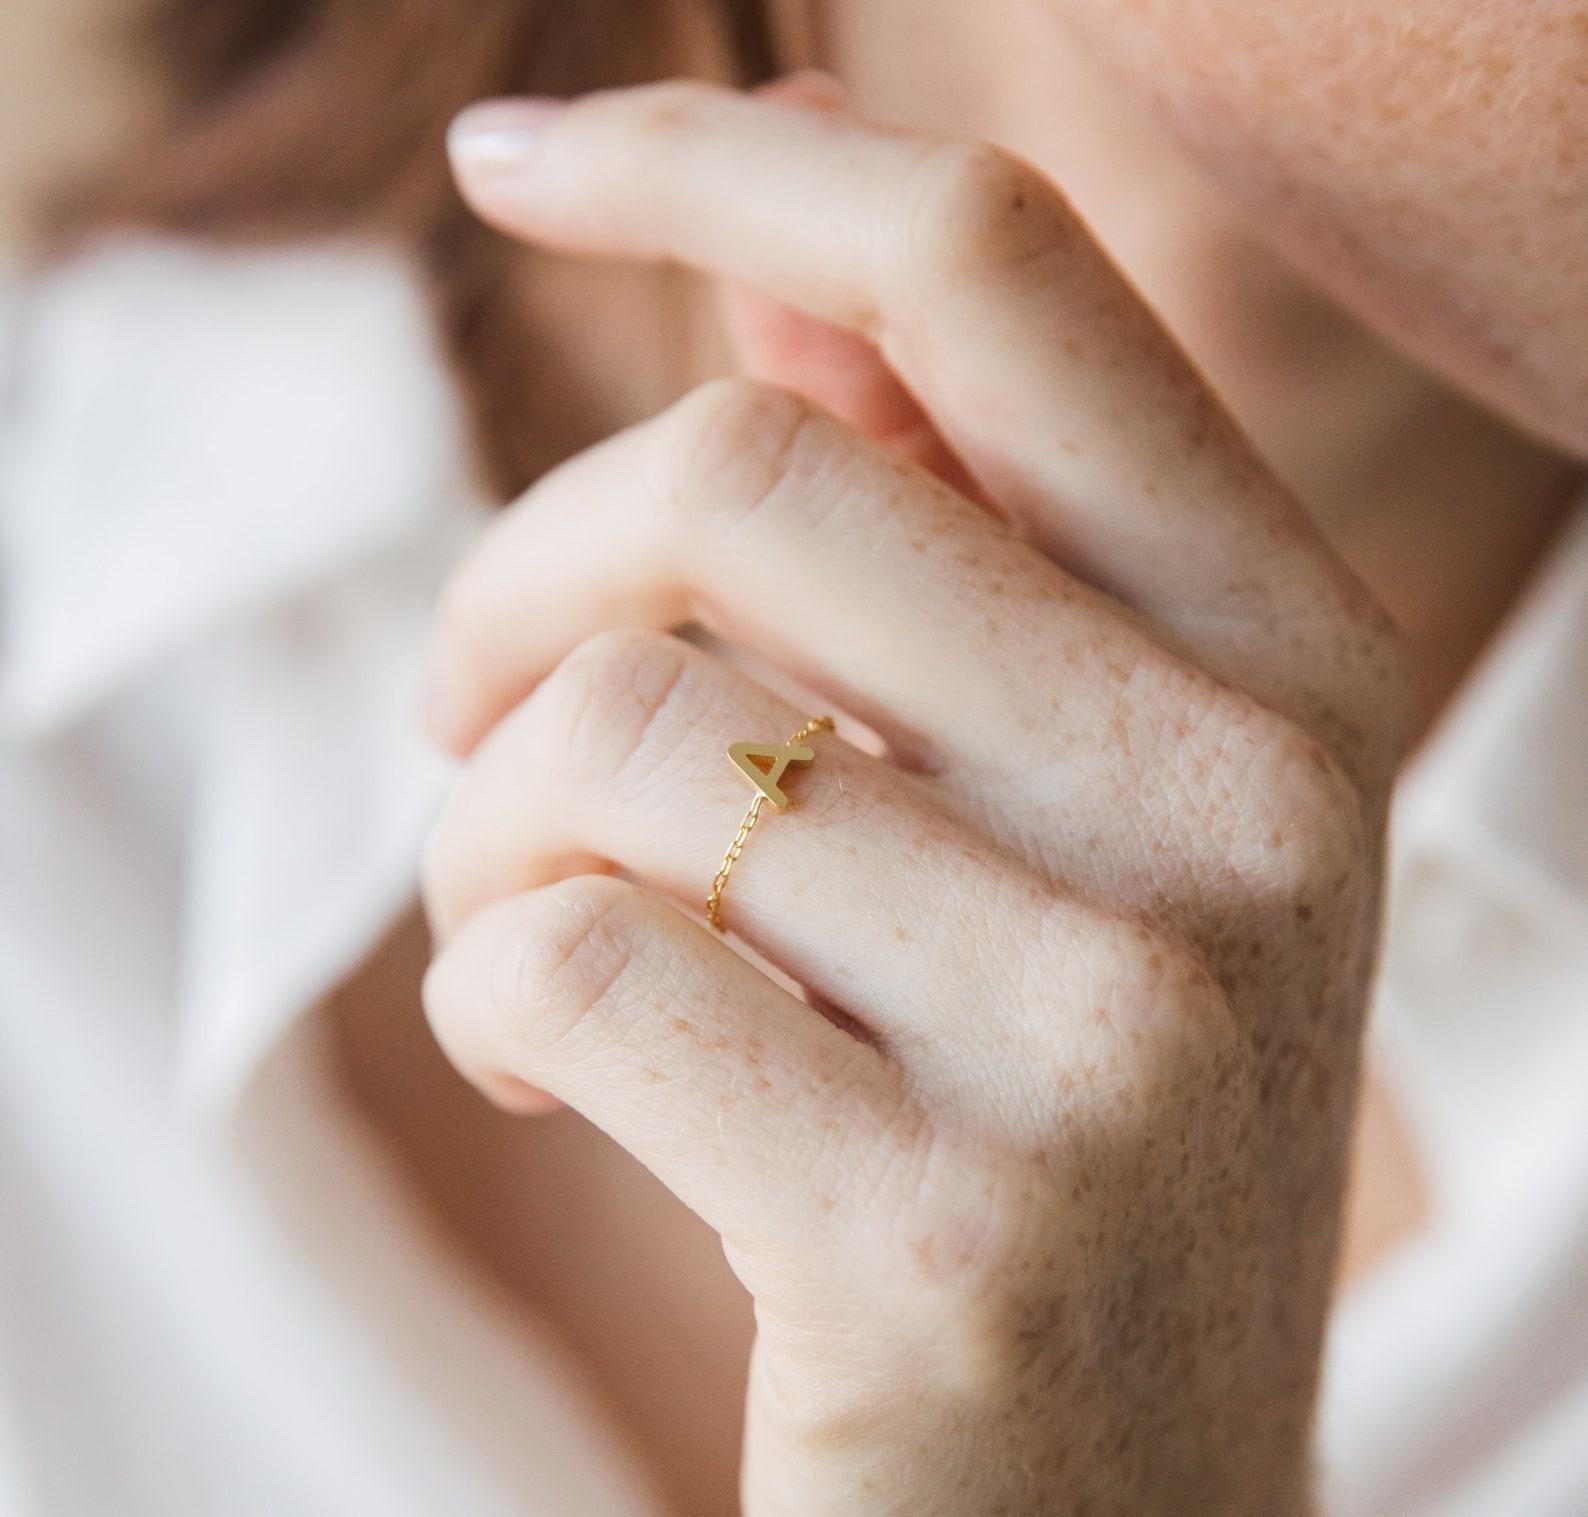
x: 1426, y: 162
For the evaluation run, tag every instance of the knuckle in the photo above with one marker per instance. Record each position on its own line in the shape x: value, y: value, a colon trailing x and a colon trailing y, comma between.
x: 1389, y: 678
x: 1136, y: 1014
x: 1364, y: 703
x: 657, y: 112
x: 981, y: 211
x: 732, y: 447
x: 976, y: 1252
x: 1310, y: 835
x: 561, y: 967
x: 1118, y: 970
x: 614, y: 700
x: 1153, y: 990
x: 977, y: 1266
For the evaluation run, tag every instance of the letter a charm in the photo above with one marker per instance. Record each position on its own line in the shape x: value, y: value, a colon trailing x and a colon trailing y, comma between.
x: 763, y: 765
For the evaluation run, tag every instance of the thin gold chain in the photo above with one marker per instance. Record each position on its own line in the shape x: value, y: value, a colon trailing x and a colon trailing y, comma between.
x: 747, y: 826
x: 810, y: 729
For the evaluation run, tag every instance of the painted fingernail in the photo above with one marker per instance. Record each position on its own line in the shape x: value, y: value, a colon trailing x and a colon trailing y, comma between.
x: 499, y: 136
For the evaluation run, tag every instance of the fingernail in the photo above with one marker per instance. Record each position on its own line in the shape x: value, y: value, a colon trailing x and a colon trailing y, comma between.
x: 498, y: 135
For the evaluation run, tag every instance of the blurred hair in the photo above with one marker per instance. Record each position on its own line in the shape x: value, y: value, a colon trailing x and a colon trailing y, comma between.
x: 296, y: 118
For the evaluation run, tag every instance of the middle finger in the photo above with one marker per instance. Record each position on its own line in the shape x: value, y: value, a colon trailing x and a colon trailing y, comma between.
x: 753, y: 512
x: 619, y: 759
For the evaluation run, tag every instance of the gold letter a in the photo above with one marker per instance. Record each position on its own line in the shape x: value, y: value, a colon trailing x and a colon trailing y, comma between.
x: 763, y: 766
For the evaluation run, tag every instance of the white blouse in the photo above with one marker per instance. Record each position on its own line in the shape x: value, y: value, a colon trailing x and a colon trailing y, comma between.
x: 229, y: 486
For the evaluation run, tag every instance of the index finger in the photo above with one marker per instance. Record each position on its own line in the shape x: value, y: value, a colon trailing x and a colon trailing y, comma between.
x: 1042, y: 367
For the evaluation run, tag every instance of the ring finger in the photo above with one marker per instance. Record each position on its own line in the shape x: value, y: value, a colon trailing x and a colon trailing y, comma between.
x: 619, y: 760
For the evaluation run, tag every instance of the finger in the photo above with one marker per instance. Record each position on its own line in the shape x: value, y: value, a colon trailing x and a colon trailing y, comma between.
x: 1043, y: 369
x: 728, y: 1088
x: 1044, y: 715
x: 836, y: 369
x: 743, y: 508
x: 1036, y: 710
x: 619, y: 760
x: 842, y: 373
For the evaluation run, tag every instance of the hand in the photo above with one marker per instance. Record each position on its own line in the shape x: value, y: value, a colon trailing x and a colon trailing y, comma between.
x: 1037, y: 1195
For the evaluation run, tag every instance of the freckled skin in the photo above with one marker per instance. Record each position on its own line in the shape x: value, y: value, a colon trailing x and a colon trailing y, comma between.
x: 1053, y: 1230
x: 1426, y: 161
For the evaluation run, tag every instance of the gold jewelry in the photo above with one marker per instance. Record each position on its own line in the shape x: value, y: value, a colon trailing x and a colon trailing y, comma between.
x: 748, y: 759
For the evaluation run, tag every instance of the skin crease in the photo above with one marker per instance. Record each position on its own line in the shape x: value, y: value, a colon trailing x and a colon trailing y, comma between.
x: 1464, y: 522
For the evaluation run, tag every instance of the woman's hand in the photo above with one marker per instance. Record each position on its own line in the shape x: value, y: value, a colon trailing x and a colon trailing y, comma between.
x: 1037, y: 1197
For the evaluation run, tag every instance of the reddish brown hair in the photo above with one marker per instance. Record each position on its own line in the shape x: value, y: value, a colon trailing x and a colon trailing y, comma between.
x: 298, y: 118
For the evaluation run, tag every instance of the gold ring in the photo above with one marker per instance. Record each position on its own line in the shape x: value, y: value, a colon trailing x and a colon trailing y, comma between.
x: 763, y: 765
